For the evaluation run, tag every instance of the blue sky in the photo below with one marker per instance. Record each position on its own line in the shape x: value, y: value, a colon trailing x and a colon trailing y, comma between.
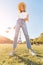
x: 8, y: 17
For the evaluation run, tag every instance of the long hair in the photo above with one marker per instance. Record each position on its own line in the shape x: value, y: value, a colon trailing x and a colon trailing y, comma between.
x: 23, y: 5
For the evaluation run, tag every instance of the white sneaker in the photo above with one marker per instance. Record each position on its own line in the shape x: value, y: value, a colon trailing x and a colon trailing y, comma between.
x: 32, y: 53
x: 11, y: 54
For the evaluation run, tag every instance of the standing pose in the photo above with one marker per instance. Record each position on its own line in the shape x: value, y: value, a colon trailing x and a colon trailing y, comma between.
x: 21, y: 22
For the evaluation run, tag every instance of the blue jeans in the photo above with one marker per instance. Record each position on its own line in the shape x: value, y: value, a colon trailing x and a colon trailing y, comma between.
x: 22, y: 24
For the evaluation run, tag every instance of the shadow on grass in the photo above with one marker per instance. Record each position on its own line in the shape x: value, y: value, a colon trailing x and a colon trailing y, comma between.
x: 40, y: 56
x: 26, y: 61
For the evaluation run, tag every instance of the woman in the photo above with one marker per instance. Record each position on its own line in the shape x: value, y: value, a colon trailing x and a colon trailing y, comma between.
x: 21, y: 22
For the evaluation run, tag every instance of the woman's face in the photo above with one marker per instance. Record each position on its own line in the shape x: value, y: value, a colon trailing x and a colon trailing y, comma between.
x: 22, y: 8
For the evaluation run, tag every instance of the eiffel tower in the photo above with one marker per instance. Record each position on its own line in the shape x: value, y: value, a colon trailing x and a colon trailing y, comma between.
x: 20, y: 41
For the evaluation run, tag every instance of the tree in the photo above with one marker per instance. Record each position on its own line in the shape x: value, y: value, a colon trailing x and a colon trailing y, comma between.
x: 41, y: 35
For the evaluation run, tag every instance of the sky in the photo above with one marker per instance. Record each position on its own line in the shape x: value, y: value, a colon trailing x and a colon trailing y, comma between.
x: 8, y: 17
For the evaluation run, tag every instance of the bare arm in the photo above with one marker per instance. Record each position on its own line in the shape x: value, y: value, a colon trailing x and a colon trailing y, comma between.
x: 27, y: 18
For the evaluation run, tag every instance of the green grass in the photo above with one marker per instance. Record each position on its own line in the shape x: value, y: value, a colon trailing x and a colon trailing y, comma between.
x: 22, y: 56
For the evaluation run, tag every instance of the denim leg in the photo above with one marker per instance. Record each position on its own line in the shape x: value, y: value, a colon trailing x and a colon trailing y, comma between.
x: 16, y: 35
x: 24, y: 28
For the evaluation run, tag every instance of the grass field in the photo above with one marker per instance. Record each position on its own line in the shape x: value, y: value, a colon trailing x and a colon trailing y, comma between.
x: 22, y: 56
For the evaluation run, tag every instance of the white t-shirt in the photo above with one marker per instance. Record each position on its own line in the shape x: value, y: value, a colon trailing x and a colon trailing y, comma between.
x: 22, y: 15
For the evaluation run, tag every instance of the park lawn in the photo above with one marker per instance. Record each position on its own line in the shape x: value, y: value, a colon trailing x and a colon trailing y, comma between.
x: 22, y: 55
